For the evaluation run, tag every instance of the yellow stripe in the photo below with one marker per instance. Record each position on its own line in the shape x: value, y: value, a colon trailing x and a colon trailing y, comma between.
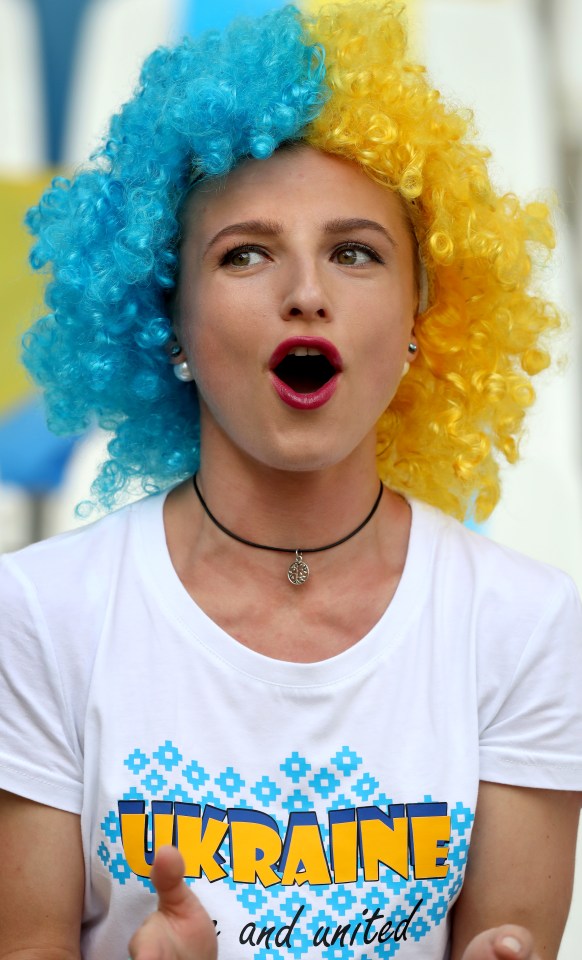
x: 20, y: 289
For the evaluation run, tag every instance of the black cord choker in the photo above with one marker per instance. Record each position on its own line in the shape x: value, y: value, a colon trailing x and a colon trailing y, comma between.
x: 298, y: 571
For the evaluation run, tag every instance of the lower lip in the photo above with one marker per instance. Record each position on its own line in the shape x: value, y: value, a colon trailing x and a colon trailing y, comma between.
x: 305, y: 401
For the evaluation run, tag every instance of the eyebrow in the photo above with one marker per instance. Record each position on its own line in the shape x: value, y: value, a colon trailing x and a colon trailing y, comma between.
x: 341, y: 225
x: 266, y: 228
x: 273, y: 228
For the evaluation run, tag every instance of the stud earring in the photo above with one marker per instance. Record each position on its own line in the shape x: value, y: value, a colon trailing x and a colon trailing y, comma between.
x: 175, y: 350
x: 412, y: 348
x: 182, y: 372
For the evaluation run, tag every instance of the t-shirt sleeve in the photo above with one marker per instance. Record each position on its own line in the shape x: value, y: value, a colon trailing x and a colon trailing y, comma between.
x: 40, y: 754
x: 531, y: 731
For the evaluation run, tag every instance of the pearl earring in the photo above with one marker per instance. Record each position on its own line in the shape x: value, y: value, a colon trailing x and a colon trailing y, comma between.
x: 182, y: 372
x: 405, y: 369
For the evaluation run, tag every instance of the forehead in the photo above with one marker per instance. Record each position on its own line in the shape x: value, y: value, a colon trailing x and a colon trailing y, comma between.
x: 296, y: 182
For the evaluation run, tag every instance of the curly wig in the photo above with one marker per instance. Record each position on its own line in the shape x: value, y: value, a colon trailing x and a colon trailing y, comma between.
x: 341, y: 81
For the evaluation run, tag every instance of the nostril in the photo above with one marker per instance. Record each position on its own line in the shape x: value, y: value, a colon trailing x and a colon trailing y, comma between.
x: 298, y: 312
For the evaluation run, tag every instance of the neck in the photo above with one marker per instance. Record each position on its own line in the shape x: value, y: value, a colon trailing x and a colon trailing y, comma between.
x: 301, y: 510
x: 305, y: 510
x: 280, y: 549
x: 211, y: 564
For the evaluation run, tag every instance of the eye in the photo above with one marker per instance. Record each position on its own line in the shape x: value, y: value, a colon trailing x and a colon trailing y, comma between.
x: 356, y: 255
x: 246, y: 255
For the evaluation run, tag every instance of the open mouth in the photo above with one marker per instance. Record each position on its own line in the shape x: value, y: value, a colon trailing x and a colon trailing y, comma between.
x: 305, y: 370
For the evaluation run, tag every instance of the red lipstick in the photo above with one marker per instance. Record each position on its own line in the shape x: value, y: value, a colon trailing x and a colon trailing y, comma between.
x: 299, y: 392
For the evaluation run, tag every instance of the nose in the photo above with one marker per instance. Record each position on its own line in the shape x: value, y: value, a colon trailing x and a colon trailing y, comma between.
x: 305, y: 296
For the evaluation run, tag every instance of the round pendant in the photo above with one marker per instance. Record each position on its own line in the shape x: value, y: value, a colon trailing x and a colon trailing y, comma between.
x: 298, y: 572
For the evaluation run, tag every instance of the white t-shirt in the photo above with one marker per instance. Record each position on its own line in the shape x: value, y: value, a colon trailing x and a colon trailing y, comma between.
x: 324, y: 809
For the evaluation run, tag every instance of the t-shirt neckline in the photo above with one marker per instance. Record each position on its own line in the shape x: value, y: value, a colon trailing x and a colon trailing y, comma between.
x: 187, y: 617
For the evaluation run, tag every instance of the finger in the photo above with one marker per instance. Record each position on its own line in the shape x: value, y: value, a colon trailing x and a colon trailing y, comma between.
x: 167, y: 877
x: 141, y: 950
x: 507, y: 942
x: 147, y: 945
x: 511, y: 942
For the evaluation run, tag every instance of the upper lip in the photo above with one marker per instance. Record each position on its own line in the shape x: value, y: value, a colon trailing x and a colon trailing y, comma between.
x: 327, y: 349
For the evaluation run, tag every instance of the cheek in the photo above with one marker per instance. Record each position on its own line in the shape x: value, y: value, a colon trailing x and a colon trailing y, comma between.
x: 383, y: 329
x: 203, y: 331
x: 385, y: 352
x: 217, y: 341
x: 211, y: 358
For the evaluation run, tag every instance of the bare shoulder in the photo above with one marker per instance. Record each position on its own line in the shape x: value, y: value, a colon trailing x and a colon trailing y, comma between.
x: 41, y: 881
x: 521, y: 865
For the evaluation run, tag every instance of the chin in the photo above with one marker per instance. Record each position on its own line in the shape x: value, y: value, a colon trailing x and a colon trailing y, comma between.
x: 297, y: 462
x: 307, y: 456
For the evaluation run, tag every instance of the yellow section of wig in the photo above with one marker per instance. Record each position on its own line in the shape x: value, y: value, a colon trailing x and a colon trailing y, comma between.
x: 481, y: 340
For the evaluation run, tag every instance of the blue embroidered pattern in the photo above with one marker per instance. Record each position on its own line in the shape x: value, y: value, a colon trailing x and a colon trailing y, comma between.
x: 341, y: 782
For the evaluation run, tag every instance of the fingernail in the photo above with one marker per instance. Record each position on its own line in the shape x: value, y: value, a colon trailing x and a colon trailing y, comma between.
x: 512, y: 943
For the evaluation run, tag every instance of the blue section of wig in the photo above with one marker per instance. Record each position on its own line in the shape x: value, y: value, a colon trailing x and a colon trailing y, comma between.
x: 111, y: 234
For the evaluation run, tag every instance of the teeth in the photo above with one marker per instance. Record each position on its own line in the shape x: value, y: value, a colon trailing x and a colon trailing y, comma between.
x: 304, y: 352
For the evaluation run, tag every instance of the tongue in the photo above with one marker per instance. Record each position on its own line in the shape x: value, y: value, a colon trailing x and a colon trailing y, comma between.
x: 304, y: 374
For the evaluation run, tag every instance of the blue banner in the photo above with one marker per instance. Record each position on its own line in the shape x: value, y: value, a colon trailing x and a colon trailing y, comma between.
x: 201, y: 15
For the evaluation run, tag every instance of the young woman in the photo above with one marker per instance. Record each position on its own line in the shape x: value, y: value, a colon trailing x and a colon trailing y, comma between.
x: 358, y: 723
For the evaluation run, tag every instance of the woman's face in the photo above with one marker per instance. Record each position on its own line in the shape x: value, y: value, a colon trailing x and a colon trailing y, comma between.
x: 295, y: 308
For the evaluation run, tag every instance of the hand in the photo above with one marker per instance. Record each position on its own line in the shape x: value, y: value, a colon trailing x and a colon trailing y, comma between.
x: 508, y: 942
x: 180, y: 929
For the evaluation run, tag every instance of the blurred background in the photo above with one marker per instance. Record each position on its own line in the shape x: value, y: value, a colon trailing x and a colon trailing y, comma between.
x: 66, y: 65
